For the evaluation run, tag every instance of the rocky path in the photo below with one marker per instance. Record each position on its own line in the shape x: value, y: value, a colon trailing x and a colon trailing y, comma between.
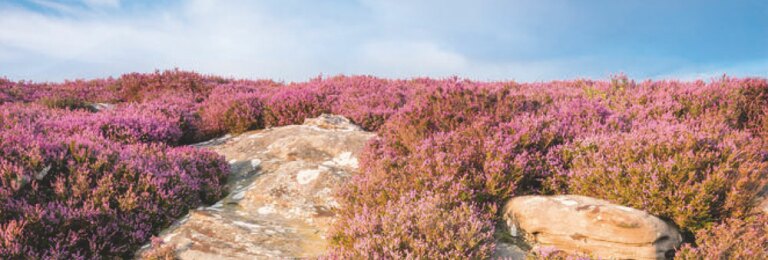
x: 281, y: 200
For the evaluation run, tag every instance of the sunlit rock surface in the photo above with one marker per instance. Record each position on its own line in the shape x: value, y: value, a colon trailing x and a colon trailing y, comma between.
x: 587, y: 226
x: 281, y: 201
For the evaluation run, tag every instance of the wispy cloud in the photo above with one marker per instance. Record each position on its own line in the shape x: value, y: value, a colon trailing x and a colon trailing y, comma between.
x: 102, y: 3
x: 56, y: 6
x: 291, y: 40
x: 714, y: 71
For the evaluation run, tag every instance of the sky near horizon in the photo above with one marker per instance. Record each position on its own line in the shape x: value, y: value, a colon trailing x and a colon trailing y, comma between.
x: 289, y: 40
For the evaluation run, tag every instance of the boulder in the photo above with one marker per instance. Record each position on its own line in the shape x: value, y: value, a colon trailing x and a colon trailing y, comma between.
x: 587, y: 226
x: 761, y: 201
x: 332, y: 122
x: 281, y: 201
x: 98, y: 107
x: 762, y: 204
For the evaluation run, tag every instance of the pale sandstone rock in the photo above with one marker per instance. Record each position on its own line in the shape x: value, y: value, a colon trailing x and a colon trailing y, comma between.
x: 98, y: 107
x: 509, y: 250
x: 583, y: 225
x: 281, y: 200
x: 331, y: 122
x: 763, y: 206
x: 762, y: 203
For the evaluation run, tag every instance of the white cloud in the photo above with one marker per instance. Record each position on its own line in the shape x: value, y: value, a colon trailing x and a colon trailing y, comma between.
x: 201, y: 35
x: 251, y: 39
x: 706, y: 72
x: 102, y: 3
x: 53, y: 5
x: 399, y: 59
x: 231, y: 39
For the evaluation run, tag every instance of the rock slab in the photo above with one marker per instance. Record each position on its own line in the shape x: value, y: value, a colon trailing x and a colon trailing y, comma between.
x: 761, y: 202
x: 281, y: 201
x: 587, y: 226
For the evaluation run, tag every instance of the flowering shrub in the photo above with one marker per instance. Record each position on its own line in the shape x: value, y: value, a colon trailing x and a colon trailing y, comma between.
x: 139, y: 87
x: 285, y: 105
x: 734, y: 238
x: 178, y: 110
x: 231, y: 109
x: 447, y: 108
x: 80, y: 183
x: 638, y: 144
x: 53, y: 93
x: 129, y: 124
x: 365, y: 100
x: 418, y: 227
x: 477, y: 163
x: 81, y: 196
x: 70, y: 188
x: 64, y: 102
x: 749, y: 107
x: 11, y: 91
x: 692, y: 174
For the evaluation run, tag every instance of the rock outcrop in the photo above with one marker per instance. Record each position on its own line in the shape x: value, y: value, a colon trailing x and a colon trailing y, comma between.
x: 281, y: 202
x: 763, y: 206
x: 97, y: 107
x: 761, y: 203
x: 588, y: 226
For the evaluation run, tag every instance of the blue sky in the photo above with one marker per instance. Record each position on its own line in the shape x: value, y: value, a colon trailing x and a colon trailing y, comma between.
x: 535, y: 40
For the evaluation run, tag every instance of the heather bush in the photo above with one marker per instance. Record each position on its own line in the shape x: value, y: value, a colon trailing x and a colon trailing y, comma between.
x: 5, y: 97
x: 61, y: 93
x: 367, y: 101
x: 749, y: 104
x: 452, y: 106
x: 478, y: 162
x: 137, y: 87
x: 179, y: 109
x: 124, y: 125
x: 578, y: 117
x: 79, y: 196
x: 13, y: 115
x: 64, y: 103
x: 231, y: 109
x: 285, y: 105
x: 10, y: 91
x: 70, y: 189
x: 418, y: 226
x: 694, y: 174
x: 76, y: 183
x: 175, y: 119
x: 669, y: 142
x: 79, y: 91
x: 734, y: 238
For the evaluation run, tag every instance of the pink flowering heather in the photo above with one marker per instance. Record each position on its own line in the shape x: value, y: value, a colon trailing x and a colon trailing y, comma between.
x: 79, y: 196
x: 76, y: 184
x: 418, y: 226
x: 285, y: 105
x: 231, y: 109
x: 694, y: 174
x: 367, y: 101
x: 671, y: 148
x: 140, y: 87
x: 128, y: 124
x: 79, y: 183
x: 734, y: 238
x: 478, y: 162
